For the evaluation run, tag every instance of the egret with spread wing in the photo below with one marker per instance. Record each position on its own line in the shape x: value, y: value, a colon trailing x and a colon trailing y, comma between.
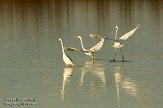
x: 68, y: 61
x: 92, y: 50
x: 118, y: 43
x: 67, y: 48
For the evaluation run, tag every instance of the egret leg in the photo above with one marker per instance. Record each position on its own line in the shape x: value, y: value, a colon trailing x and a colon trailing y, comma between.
x: 93, y: 56
x: 115, y: 53
x: 122, y: 55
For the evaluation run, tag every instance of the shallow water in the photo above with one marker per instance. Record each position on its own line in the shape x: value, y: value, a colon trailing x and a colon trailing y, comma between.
x: 31, y: 64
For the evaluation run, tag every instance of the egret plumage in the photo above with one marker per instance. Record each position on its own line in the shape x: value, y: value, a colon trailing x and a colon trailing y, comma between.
x: 92, y: 50
x: 118, y: 43
x: 68, y: 61
x: 67, y: 48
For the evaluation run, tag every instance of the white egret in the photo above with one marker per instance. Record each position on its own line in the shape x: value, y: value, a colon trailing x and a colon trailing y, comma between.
x: 68, y: 61
x: 92, y: 50
x: 118, y: 43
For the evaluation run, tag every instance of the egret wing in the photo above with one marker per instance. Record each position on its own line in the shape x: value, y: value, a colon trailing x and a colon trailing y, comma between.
x: 70, y: 48
x: 68, y: 60
x: 95, y: 36
x: 109, y: 38
x: 98, y: 46
x: 127, y: 35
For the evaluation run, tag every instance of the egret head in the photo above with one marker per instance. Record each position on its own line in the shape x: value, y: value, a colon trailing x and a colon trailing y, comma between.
x: 94, y: 36
x: 116, y: 27
x: 59, y: 39
x: 78, y: 37
x: 91, y: 35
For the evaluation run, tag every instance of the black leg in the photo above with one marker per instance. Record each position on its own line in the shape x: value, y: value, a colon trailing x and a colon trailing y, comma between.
x: 122, y: 55
x: 115, y: 53
x: 93, y: 56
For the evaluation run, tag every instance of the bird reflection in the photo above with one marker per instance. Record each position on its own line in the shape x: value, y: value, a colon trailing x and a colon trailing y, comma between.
x: 66, y: 78
x: 125, y: 83
x: 118, y: 79
x: 96, y: 70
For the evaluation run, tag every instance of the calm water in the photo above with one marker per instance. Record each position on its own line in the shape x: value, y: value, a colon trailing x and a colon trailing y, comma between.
x: 31, y: 64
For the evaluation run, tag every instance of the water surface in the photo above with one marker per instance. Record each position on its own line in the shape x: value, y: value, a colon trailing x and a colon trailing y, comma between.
x: 31, y: 64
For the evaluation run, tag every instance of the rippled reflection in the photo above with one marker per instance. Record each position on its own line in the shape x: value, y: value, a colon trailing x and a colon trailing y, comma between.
x: 126, y: 83
x: 118, y: 79
x: 96, y: 73
x: 66, y: 78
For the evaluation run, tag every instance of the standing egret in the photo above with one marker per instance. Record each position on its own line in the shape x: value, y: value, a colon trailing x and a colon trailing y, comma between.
x: 92, y: 50
x: 118, y: 43
x: 68, y: 61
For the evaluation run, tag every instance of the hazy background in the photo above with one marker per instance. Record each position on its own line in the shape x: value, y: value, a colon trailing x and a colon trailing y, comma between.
x: 31, y: 62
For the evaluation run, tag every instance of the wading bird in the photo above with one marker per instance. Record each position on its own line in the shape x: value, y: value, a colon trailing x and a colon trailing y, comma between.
x: 118, y: 43
x: 92, y: 50
x: 68, y: 61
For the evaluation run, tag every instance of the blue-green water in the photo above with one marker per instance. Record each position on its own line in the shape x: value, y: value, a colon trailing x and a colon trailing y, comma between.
x: 31, y: 64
